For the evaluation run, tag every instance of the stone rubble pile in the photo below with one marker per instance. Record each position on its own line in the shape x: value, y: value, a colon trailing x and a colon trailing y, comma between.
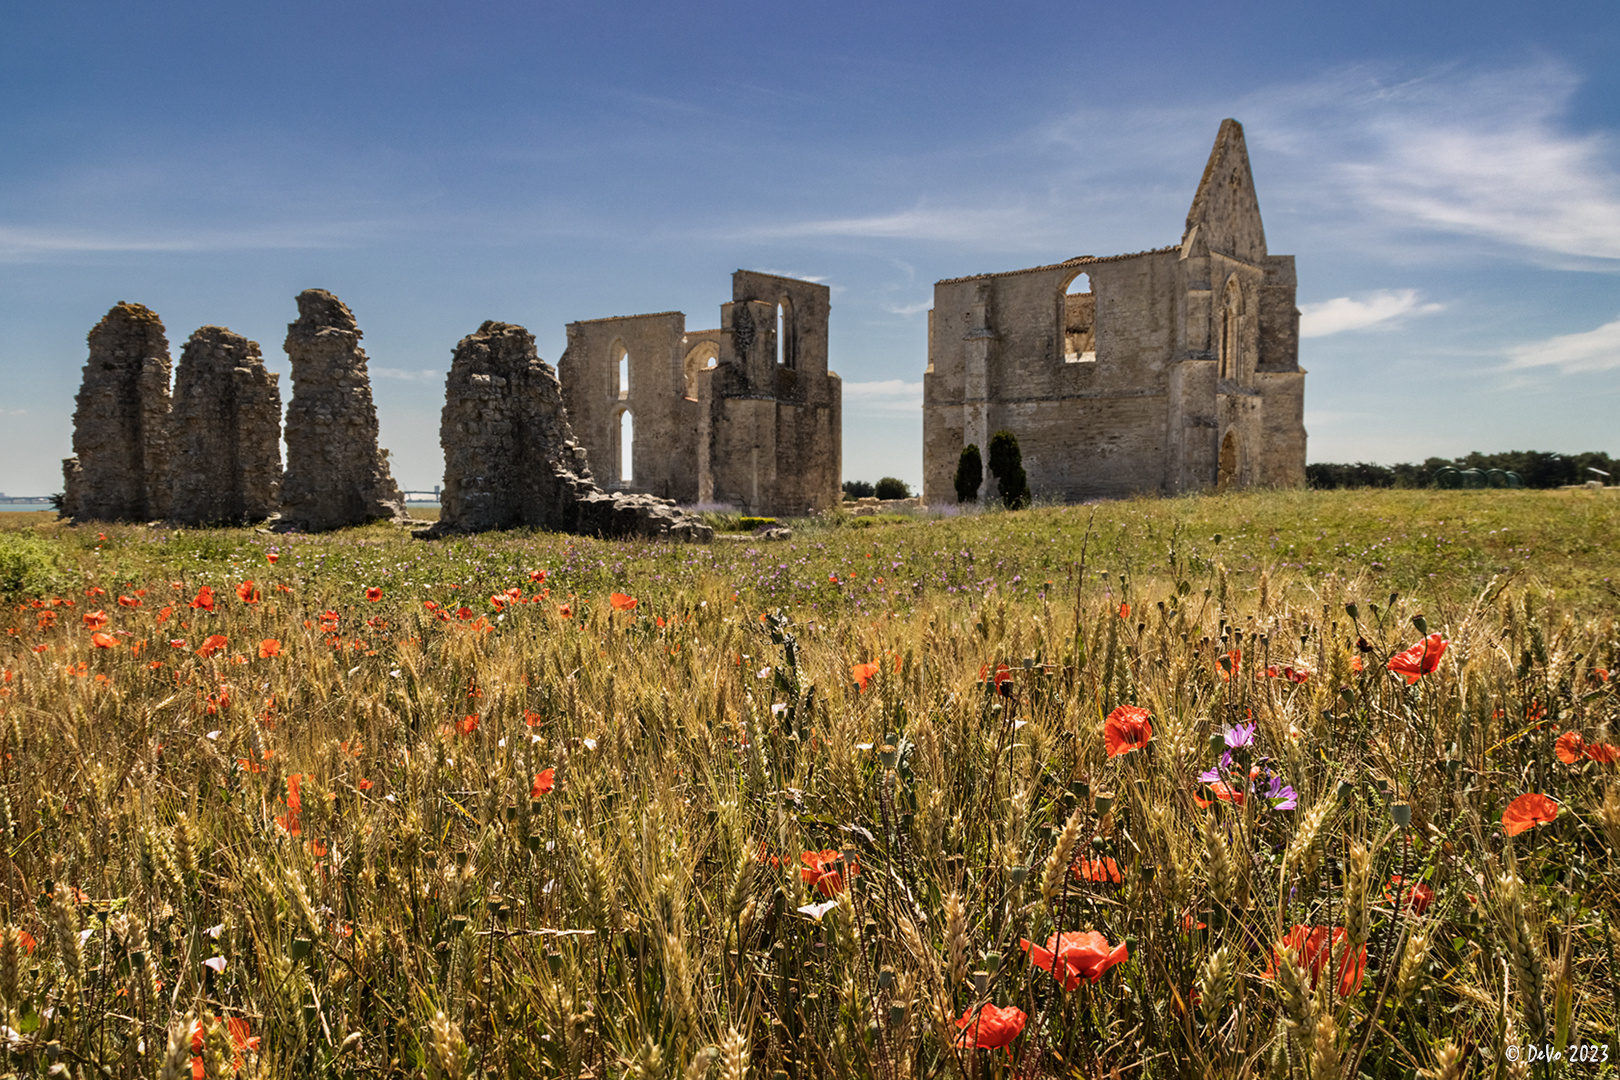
x: 511, y: 460
x: 336, y: 474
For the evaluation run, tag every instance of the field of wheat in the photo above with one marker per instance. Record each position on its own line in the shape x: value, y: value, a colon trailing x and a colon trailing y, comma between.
x: 1276, y: 785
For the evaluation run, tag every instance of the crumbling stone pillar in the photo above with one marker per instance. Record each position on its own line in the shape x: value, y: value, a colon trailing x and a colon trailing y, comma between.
x: 119, y: 471
x: 511, y: 460
x: 336, y: 475
x: 225, y: 432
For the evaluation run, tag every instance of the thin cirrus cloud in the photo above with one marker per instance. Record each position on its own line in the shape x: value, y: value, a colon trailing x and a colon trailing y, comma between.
x: 894, y: 396
x: 1383, y: 308
x: 422, y: 375
x: 1488, y: 156
x: 1592, y: 350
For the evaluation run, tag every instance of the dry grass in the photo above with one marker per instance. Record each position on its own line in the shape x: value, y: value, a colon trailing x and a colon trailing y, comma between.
x: 343, y: 852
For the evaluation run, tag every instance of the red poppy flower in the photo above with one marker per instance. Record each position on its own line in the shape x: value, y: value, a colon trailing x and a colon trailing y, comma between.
x: 565, y: 610
x: 1074, y: 956
x: 1315, y: 948
x: 1570, y: 747
x: 993, y: 1028
x: 537, y: 575
x: 128, y: 601
x: 363, y: 784
x: 1105, y: 869
x: 103, y: 641
x: 271, y: 558
x: 163, y: 616
x: 247, y: 592
x: 1416, y: 899
x: 204, y: 598
x: 467, y: 725
x: 1223, y: 791
x: 1598, y: 676
x: 1356, y: 664
x: 1124, y: 611
x: 95, y: 620
x: 1607, y: 753
x: 269, y: 647
x: 211, y: 645
x: 373, y: 593
x: 1420, y: 659
x: 861, y: 673
x: 1526, y: 812
x: 621, y: 602
x: 1126, y: 729
x: 544, y: 781
x: 824, y: 871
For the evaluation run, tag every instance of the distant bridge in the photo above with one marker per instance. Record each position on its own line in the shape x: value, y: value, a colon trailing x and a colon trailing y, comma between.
x: 426, y: 496
x: 46, y: 499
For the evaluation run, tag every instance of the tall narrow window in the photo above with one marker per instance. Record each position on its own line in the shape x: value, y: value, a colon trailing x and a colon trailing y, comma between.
x: 627, y: 439
x: 1231, y: 342
x: 1079, y: 321
x: 785, y: 337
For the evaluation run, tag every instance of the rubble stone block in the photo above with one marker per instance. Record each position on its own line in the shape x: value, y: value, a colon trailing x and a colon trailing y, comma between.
x: 224, y: 431
x: 336, y: 474
x: 511, y: 460
x: 119, y: 471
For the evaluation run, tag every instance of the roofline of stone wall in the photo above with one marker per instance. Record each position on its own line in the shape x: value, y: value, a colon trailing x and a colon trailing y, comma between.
x: 784, y: 277
x: 626, y: 318
x: 1082, y: 260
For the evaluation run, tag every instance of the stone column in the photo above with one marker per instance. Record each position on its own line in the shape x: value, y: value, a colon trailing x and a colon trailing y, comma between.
x: 119, y: 471
x: 225, y: 432
x: 336, y: 475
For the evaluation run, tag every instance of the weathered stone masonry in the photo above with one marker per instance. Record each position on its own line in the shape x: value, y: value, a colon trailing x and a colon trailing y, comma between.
x: 742, y: 414
x: 510, y: 457
x: 224, y: 431
x: 1177, y: 370
x: 120, y: 467
x: 336, y: 475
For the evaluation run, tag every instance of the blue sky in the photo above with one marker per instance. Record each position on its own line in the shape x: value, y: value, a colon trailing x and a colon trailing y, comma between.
x: 1447, y: 175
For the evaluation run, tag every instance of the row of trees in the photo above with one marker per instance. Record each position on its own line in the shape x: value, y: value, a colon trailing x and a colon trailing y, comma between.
x: 1006, y: 465
x: 887, y: 488
x: 1535, y: 468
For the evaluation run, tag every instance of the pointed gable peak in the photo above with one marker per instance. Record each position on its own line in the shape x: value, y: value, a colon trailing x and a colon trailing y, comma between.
x: 1226, y: 211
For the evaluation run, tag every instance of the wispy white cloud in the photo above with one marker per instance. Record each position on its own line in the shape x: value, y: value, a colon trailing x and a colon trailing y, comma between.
x: 424, y: 375
x: 950, y: 224
x: 884, y: 396
x: 1484, y: 155
x: 1382, y: 308
x: 23, y: 244
x: 1593, y: 350
x: 908, y: 309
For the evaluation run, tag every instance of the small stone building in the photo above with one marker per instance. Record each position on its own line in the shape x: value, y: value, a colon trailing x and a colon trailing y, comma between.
x: 746, y: 414
x: 120, y: 465
x: 224, y: 432
x: 1163, y: 371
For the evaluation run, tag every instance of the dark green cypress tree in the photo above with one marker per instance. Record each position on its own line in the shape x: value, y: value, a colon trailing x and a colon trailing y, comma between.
x: 1007, y: 466
x: 969, y: 474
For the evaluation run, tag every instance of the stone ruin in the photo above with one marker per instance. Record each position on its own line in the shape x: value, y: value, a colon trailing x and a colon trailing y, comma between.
x: 120, y: 464
x: 336, y: 474
x: 224, y: 432
x: 510, y: 457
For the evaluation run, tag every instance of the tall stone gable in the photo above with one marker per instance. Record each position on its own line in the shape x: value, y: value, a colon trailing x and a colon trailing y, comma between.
x: 747, y: 414
x: 225, y: 432
x: 1162, y: 371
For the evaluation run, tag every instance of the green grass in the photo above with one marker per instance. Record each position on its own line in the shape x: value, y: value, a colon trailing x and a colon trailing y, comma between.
x: 352, y: 823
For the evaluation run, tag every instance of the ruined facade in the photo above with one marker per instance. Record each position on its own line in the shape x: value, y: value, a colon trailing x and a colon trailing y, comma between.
x: 224, y: 432
x: 336, y: 475
x: 120, y: 465
x: 746, y: 414
x: 1164, y: 371
x: 511, y: 459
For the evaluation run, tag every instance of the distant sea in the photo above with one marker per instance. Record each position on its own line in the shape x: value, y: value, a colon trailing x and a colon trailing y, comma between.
x: 41, y: 505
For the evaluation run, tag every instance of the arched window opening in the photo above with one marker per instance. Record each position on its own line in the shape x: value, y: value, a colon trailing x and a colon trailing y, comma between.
x: 704, y: 355
x: 786, y: 340
x: 621, y: 360
x: 627, y: 439
x: 1231, y: 341
x: 1079, y: 321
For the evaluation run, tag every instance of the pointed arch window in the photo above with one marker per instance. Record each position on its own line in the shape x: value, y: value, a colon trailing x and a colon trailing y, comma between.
x: 1079, y: 307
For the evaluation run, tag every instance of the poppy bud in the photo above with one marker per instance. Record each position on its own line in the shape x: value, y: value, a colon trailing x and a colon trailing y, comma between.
x: 1351, y: 610
x: 1421, y: 623
x: 1402, y: 814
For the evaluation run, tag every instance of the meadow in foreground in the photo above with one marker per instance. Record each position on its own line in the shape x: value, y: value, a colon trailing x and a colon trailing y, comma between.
x: 1070, y: 792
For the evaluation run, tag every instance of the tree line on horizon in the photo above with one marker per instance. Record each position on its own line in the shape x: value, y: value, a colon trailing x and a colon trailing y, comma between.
x: 1535, y: 469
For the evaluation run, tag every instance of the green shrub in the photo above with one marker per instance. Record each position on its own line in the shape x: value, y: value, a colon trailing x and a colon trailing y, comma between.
x: 28, y: 566
x: 969, y: 474
x: 858, y: 489
x: 749, y: 524
x: 1007, y: 466
x: 891, y: 488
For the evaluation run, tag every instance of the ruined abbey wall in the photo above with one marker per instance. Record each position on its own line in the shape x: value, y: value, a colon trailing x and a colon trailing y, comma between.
x: 224, y: 431
x: 120, y: 465
x: 744, y: 415
x: 1157, y: 372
